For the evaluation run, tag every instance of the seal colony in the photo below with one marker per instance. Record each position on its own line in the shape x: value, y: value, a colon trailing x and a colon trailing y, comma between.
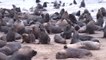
x: 24, y: 28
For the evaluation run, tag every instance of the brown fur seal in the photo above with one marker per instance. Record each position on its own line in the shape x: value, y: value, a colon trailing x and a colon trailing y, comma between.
x: 67, y: 32
x: 24, y: 53
x: 10, y: 35
x: 74, y: 1
x: 72, y: 53
x: 90, y: 45
x: 82, y: 4
x: 19, y: 26
x: 36, y: 31
x: 50, y: 28
x: 75, y: 37
x: 72, y: 18
x: 10, y: 48
x: 100, y: 19
x: 59, y: 39
x: 31, y: 36
x: 43, y: 37
x: 28, y: 38
x: 90, y: 27
x: 65, y: 15
x: 61, y: 12
x: 62, y: 23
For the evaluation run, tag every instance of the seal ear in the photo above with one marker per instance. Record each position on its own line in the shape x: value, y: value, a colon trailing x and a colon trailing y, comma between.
x: 65, y: 47
x: 34, y: 52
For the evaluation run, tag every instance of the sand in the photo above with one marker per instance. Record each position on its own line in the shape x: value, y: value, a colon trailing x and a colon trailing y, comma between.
x: 48, y: 51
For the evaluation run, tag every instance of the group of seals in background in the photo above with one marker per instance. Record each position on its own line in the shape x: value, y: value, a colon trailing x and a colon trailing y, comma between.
x: 37, y: 26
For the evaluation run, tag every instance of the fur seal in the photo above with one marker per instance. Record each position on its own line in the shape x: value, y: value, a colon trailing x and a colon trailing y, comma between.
x: 100, y: 19
x: 74, y: 1
x: 72, y: 18
x: 24, y: 53
x: 67, y: 32
x: 75, y: 37
x: 19, y: 26
x: 28, y: 38
x: 82, y: 4
x: 43, y: 37
x: 10, y: 35
x: 89, y: 45
x: 72, y: 53
x: 59, y: 39
x: 45, y: 4
x: 10, y: 48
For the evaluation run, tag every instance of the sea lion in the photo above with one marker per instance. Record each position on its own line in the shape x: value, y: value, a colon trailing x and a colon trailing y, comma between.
x: 65, y: 15
x: 50, y: 28
x: 62, y: 24
x: 78, y: 13
x: 24, y: 53
x: 59, y: 39
x: 72, y: 53
x: 75, y: 37
x: 67, y: 32
x: 74, y: 1
x: 90, y: 27
x: 43, y: 37
x: 10, y: 48
x: 37, y: 1
x: 62, y: 11
x: 100, y: 19
x: 82, y: 4
x: 56, y: 5
x: 10, y: 35
x: 72, y: 18
x: 89, y: 45
x: 28, y: 38
x: 56, y: 16
x: 36, y: 31
x: 46, y: 18
x: 63, y: 4
x: 103, y: 10
x: 85, y: 17
x: 45, y: 4
x: 25, y: 38
x: 19, y: 26
x: 31, y: 36
x: 85, y: 37
x: 99, y: 14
